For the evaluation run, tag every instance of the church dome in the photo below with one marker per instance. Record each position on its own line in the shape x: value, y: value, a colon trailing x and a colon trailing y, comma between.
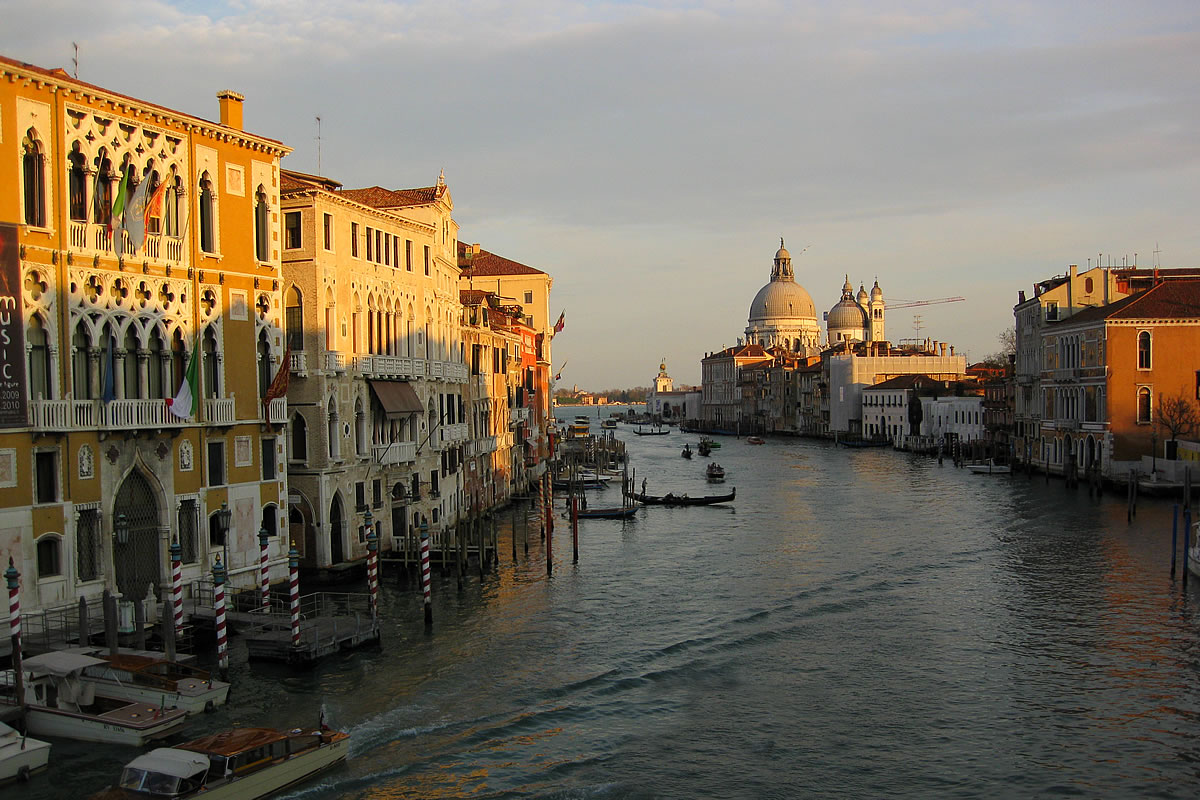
x: 782, y: 299
x: 862, y: 295
x: 783, y: 313
x: 876, y: 292
x: 847, y: 314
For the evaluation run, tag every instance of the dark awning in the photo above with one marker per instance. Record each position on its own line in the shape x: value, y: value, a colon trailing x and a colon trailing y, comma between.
x: 397, y: 397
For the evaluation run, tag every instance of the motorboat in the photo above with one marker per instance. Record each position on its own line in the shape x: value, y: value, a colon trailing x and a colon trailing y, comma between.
x: 715, y: 473
x: 711, y: 443
x: 580, y: 427
x: 609, y: 424
x: 755, y: 440
x: 60, y: 701
x: 20, y: 755
x: 145, y: 679
x: 990, y: 468
x: 687, y: 451
x: 237, y: 764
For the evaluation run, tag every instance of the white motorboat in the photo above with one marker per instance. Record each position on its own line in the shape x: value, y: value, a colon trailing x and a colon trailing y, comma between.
x: 59, y: 701
x: 990, y: 468
x: 20, y: 755
x: 238, y: 764
x: 145, y: 679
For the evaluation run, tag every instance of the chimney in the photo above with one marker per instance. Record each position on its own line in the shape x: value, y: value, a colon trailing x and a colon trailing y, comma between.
x: 944, y: 349
x: 1021, y: 296
x: 231, y: 108
x: 1074, y: 270
x: 951, y: 349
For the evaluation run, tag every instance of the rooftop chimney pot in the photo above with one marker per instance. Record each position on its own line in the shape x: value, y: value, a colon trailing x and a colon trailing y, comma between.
x: 230, y: 103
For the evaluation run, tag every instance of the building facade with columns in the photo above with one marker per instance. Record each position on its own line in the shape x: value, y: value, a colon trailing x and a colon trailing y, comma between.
x: 97, y: 475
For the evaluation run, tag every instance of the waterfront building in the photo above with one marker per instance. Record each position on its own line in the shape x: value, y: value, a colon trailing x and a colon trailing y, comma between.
x: 99, y: 473
x: 812, y: 399
x: 529, y: 289
x: 378, y: 414
x: 665, y: 402
x: 857, y: 318
x: 721, y: 405
x: 1110, y: 375
x: 952, y: 418
x: 782, y: 314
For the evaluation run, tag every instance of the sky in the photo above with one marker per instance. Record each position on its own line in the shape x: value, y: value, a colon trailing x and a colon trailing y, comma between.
x: 649, y: 156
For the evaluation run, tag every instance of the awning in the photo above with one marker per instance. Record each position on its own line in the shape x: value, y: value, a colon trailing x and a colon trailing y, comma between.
x: 397, y: 398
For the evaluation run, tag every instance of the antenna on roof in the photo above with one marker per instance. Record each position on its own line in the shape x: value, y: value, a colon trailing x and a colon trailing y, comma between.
x: 1156, y: 254
x: 318, y: 145
x: 75, y: 60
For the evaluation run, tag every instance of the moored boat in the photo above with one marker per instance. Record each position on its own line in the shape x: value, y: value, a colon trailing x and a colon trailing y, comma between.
x: 990, y: 468
x: 238, y: 764
x: 580, y: 427
x: 145, y: 679
x: 59, y: 701
x: 616, y: 512
x: 671, y: 499
x: 609, y: 424
x: 20, y: 756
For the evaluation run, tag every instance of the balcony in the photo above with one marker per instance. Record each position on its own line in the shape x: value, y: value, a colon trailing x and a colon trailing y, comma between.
x: 453, y: 434
x: 277, y: 410
x: 519, y: 415
x: 138, y: 414
x: 220, y: 410
x: 299, y: 364
x: 335, y: 362
x: 387, y: 455
x: 95, y: 238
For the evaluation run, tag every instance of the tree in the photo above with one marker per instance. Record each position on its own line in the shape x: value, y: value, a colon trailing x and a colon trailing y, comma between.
x: 1007, y: 340
x: 1179, y: 416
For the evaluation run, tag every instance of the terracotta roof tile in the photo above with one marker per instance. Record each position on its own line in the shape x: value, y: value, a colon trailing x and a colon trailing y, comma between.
x: 1176, y: 299
x: 378, y: 197
x: 484, y: 264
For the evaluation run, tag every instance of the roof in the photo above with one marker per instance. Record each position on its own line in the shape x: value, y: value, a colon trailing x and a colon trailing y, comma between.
x: 1168, y: 300
x: 915, y: 381
x: 378, y: 197
x: 232, y: 742
x: 169, y: 761
x: 740, y: 351
x: 472, y: 297
x: 484, y: 264
x: 290, y: 181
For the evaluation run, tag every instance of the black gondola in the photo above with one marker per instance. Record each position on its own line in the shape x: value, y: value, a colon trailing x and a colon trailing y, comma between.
x: 682, y: 500
x: 607, y: 513
x: 687, y: 451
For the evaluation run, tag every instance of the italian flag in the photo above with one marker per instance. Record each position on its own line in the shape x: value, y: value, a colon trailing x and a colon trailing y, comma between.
x: 184, y: 403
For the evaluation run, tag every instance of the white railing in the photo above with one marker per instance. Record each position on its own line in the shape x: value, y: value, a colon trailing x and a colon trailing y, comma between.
x: 453, y: 434
x: 50, y: 415
x: 395, y: 453
x: 519, y: 414
x: 95, y: 237
x: 435, y: 369
x: 138, y: 414
x: 220, y: 410
x: 83, y: 412
x: 504, y: 441
x: 299, y: 363
x: 277, y: 410
x: 335, y: 361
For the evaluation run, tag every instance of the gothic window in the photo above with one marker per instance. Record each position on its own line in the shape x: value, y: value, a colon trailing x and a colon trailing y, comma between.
x: 211, y: 368
x: 132, y: 389
x: 1143, y: 350
x: 360, y: 429
x: 77, y: 190
x: 33, y: 174
x: 189, y: 524
x: 40, y: 368
x: 262, y: 225
x: 171, y: 207
x: 154, y: 224
x: 208, y: 238
x: 103, y: 200
x: 264, y: 364
x: 335, y: 447
x: 299, y: 438
x: 81, y: 384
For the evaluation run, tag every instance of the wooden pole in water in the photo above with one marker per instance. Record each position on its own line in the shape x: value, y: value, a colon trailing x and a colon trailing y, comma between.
x: 574, y: 531
x: 549, y: 537
x: 110, y: 623
x: 84, y: 623
x: 1129, y: 497
x: 1187, y: 541
x: 373, y: 568
x: 1174, y: 536
x: 177, y: 587
x: 139, y: 623
x: 294, y: 591
x: 264, y: 572
x: 513, y: 508
x: 425, y: 578
x: 168, y: 636
x: 219, y: 614
x: 12, y: 577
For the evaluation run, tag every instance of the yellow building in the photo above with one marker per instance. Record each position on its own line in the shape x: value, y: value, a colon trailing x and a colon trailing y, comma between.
x: 97, y: 474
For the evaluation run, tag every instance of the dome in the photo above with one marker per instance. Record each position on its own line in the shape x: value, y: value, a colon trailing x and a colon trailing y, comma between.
x: 876, y: 292
x: 862, y: 295
x: 782, y: 299
x: 847, y: 314
x: 782, y: 252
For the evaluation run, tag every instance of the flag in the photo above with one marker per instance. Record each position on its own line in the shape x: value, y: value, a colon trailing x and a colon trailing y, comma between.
x: 109, y: 392
x: 154, y: 207
x: 278, y: 387
x: 562, y: 322
x: 183, y: 405
x: 118, y: 206
x: 135, y: 219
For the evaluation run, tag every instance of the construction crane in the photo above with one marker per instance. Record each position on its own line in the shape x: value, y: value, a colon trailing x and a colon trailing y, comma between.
x: 913, y: 303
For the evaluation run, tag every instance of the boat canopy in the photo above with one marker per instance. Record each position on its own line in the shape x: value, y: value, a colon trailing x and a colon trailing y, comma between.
x: 397, y: 397
x: 169, y: 761
x: 59, y: 663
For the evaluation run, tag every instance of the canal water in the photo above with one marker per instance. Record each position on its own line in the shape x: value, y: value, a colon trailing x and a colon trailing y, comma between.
x: 859, y: 623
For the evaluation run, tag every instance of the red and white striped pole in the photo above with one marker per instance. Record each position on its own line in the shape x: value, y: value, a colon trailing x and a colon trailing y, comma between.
x: 14, y: 622
x: 264, y: 572
x: 425, y: 580
x: 294, y: 589
x: 219, y: 613
x: 373, y: 566
x: 177, y: 587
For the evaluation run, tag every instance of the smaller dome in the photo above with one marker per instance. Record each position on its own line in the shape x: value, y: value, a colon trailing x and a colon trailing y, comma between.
x: 876, y: 292
x: 847, y: 288
x: 782, y: 253
x: 862, y: 294
x: 847, y: 314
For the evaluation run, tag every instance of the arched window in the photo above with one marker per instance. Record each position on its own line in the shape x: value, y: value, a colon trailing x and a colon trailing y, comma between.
x: 77, y: 191
x: 1143, y: 350
x: 262, y: 225
x: 299, y: 438
x: 1143, y: 404
x: 49, y: 562
x: 171, y: 210
x: 264, y: 364
x: 81, y: 372
x: 208, y: 345
x: 132, y: 388
x: 208, y: 222
x: 39, y: 360
x: 293, y: 318
x: 155, y: 211
x: 154, y: 367
x: 360, y: 428
x: 33, y: 175
x: 178, y: 362
x: 270, y: 520
x: 103, y: 200
x: 335, y: 444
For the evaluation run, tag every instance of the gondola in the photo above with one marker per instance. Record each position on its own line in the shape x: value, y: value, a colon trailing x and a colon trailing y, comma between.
x: 682, y: 500
x: 653, y: 432
x: 582, y: 483
x: 687, y: 451
x: 607, y: 513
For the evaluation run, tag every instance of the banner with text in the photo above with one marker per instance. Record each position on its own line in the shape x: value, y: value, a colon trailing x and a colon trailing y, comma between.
x: 13, y: 413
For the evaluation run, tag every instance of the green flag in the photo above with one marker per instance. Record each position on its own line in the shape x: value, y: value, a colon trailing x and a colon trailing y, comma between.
x: 184, y: 403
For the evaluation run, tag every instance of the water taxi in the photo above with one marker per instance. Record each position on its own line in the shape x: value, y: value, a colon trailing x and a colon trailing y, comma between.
x: 145, y: 679
x: 580, y: 427
x: 238, y: 764
x: 20, y: 755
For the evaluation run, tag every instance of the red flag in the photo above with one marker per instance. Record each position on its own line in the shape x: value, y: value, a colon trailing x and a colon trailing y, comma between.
x: 278, y: 387
x: 562, y: 322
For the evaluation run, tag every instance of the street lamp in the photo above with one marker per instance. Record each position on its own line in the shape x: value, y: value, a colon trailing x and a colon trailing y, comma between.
x: 224, y: 518
x: 121, y: 529
x: 368, y: 523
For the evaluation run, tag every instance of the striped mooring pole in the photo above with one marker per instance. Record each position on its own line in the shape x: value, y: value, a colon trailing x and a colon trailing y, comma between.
x: 264, y: 572
x: 177, y: 587
x: 294, y: 591
x: 373, y: 567
x: 219, y: 614
x: 425, y: 587
x: 14, y: 621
